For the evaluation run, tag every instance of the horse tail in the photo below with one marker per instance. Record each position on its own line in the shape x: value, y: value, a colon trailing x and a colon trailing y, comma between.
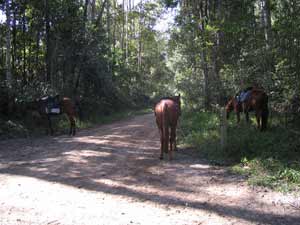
x: 165, y: 127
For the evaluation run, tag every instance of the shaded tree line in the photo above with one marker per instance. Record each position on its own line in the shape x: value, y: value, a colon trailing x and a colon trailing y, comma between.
x: 219, y: 47
x: 105, y: 51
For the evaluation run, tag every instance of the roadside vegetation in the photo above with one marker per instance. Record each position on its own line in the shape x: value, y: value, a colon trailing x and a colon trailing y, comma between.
x: 270, y: 159
x: 34, y: 125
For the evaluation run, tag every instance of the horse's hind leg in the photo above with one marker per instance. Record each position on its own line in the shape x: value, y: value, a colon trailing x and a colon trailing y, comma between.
x: 174, y: 138
x: 264, y: 119
x: 161, y: 144
x: 50, y: 125
x: 172, y: 142
x: 258, y: 121
x: 247, y: 116
x: 72, y: 126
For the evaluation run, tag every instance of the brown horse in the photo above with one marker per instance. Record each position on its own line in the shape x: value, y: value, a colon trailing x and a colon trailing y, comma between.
x: 66, y: 106
x: 257, y: 101
x: 167, y: 112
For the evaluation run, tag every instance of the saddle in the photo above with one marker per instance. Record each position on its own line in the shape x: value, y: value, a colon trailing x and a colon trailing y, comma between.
x: 52, y: 104
x: 244, y: 95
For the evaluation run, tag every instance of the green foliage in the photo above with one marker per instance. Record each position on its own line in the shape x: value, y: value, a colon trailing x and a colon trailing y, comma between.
x: 112, y: 58
x: 230, y: 39
x: 268, y: 158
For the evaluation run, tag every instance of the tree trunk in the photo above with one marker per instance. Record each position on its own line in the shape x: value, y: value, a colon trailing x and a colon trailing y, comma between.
x: 48, y: 43
x: 93, y: 10
x: 216, y: 60
x: 126, y: 33
x: 266, y: 22
x: 85, y: 11
x: 24, y: 44
x: 8, y: 45
x: 14, y: 37
x: 140, y: 40
x: 114, y: 42
x: 37, y: 50
x: 108, y: 77
x: 99, y: 19
x: 123, y: 28
x: 203, y: 56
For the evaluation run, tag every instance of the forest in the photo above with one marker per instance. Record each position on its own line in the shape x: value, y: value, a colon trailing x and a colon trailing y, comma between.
x: 110, y: 55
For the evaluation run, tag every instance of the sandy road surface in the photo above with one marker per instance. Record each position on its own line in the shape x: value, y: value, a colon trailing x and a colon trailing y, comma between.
x: 112, y: 175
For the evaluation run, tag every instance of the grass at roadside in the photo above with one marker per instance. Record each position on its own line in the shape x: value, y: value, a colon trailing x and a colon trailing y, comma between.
x: 270, y: 159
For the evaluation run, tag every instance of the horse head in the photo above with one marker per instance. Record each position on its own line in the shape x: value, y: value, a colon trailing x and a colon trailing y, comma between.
x: 177, y: 100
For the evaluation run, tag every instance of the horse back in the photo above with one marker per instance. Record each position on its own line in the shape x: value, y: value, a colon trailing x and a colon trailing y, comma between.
x: 169, y: 108
x: 67, y: 106
x: 259, y: 96
x: 258, y: 99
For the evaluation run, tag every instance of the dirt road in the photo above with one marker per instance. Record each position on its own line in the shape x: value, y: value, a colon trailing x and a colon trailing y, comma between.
x: 112, y: 175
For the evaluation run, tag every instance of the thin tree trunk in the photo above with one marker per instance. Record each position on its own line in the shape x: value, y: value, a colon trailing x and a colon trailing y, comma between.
x: 48, y: 42
x: 8, y: 45
x: 123, y: 27
x: 85, y: 11
x: 126, y: 33
x: 140, y: 40
x: 99, y: 19
x: 203, y: 56
x: 93, y: 10
x: 216, y: 56
x: 37, y: 51
x: 14, y: 38
x: 266, y: 22
x: 85, y: 19
x: 108, y: 87
x: 108, y: 34
x: 24, y: 44
x: 114, y: 41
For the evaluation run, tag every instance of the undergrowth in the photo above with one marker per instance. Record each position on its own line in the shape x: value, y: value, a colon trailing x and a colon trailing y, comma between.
x: 34, y: 125
x: 270, y: 158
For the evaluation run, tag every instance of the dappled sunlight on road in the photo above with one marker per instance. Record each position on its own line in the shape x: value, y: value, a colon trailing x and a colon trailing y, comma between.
x: 119, y: 163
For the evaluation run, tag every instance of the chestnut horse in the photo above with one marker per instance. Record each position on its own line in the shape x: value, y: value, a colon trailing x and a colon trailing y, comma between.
x: 66, y: 105
x: 257, y: 101
x: 167, y: 112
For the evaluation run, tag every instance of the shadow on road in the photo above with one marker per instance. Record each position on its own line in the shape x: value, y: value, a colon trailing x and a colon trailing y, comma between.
x: 122, y: 159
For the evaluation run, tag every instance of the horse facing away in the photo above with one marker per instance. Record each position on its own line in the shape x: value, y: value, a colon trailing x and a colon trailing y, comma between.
x: 66, y: 106
x: 167, y: 112
x: 257, y: 102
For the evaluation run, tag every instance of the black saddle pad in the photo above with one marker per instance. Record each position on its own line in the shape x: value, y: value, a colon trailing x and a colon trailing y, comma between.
x: 52, y: 105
